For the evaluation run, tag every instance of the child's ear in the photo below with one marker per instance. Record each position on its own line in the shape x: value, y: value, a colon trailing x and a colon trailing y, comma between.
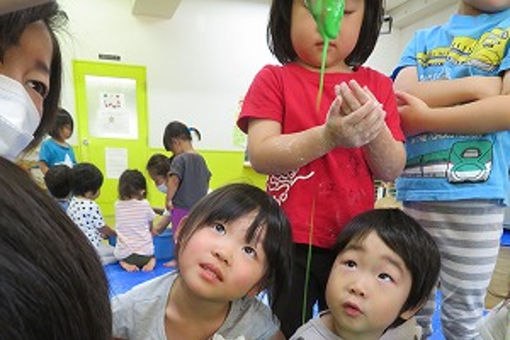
x: 178, y: 229
x: 410, y: 312
x: 255, y: 290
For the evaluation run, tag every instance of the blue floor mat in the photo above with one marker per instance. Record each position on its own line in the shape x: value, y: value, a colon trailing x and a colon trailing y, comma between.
x: 505, y: 238
x: 121, y: 281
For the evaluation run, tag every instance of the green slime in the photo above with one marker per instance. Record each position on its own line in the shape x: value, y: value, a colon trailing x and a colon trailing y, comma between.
x: 328, y: 15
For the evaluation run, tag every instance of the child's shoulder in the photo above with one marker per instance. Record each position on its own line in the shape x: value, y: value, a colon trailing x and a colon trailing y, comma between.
x: 147, y: 291
x: 315, y: 329
x: 250, y: 317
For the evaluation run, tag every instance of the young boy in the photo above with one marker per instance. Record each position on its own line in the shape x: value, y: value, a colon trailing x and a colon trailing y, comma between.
x: 386, y: 267
x: 456, y: 177
x: 58, y: 182
x: 86, y: 181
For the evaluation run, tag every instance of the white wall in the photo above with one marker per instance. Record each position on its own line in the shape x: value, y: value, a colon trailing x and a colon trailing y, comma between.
x: 199, y: 63
x: 439, y: 18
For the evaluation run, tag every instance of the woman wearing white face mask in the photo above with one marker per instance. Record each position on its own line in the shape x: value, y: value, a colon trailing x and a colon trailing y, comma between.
x: 30, y: 76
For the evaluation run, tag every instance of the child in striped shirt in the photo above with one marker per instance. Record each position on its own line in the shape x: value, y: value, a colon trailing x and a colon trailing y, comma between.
x: 134, y: 216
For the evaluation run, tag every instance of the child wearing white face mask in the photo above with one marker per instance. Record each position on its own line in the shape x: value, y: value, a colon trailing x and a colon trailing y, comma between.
x: 27, y: 101
x: 158, y: 167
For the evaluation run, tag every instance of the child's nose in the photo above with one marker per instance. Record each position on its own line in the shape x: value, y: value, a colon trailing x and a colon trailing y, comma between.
x: 358, y: 288
x: 223, y: 254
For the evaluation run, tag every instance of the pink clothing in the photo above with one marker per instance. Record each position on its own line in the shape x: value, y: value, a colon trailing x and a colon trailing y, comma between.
x: 132, y: 218
x: 340, y: 183
x: 176, y: 216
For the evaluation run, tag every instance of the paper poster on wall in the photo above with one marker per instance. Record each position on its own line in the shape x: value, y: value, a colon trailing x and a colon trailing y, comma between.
x: 116, y: 161
x: 112, y: 107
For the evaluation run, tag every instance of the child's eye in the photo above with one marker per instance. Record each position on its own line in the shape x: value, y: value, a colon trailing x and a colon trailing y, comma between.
x: 38, y: 87
x: 220, y: 228
x: 350, y: 264
x: 250, y: 251
x: 385, y: 277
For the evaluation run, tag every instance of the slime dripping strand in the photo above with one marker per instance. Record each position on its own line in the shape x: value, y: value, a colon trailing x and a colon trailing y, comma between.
x: 323, y: 69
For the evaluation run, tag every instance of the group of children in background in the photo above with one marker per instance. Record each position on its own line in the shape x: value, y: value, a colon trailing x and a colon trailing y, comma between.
x: 184, y: 178
x: 315, y: 236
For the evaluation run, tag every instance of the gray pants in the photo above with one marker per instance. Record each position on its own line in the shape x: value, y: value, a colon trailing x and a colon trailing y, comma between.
x: 468, y: 235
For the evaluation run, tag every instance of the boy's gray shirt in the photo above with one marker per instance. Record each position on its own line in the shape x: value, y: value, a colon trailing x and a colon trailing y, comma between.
x: 316, y: 330
x: 139, y: 314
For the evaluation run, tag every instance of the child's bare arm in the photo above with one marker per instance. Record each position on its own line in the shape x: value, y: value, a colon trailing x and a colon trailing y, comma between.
x: 107, y: 231
x: 273, y: 152
x: 172, y: 183
x: 442, y: 93
x: 43, y: 167
x: 506, y: 84
x: 482, y: 116
x: 160, y: 225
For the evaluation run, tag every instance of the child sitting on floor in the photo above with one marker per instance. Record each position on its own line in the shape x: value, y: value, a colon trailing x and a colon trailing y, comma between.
x: 133, y: 224
x: 386, y: 267
x: 86, y: 181
x: 234, y: 243
x: 58, y: 183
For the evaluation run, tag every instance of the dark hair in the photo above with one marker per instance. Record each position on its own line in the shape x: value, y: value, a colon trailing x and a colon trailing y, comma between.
x: 12, y: 26
x: 407, y: 238
x: 63, y: 118
x: 85, y: 177
x: 178, y: 130
x: 159, y: 164
x: 280, y: 44
x: 236, y: 200
x: 131, y: 184
x: 58, y: 180
x: 52, y: 284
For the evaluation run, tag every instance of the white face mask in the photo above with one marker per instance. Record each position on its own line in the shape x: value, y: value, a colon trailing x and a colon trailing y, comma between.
x: 18, y: 118
x: 162, y: 188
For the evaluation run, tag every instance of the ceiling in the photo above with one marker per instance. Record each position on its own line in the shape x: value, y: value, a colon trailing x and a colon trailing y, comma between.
x: 407, y: 12
x: 403, y: 12
x: 391, y: 4
x: 155, y: 8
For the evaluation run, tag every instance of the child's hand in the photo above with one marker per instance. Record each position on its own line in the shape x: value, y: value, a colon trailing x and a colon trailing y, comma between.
x: 355, y: 117
x: 413, y: 112
x: 169, y: 205
x: 354, y: 96
x: 356, y: 129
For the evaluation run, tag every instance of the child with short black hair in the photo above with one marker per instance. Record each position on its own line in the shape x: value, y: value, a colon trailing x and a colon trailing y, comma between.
x: 386, y: 267
x: 58, y: 183
x: 234, y: 243
x: 133, y: 224
x: 158, y: 167
x: 56, y: 150
x: 86, y: 181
